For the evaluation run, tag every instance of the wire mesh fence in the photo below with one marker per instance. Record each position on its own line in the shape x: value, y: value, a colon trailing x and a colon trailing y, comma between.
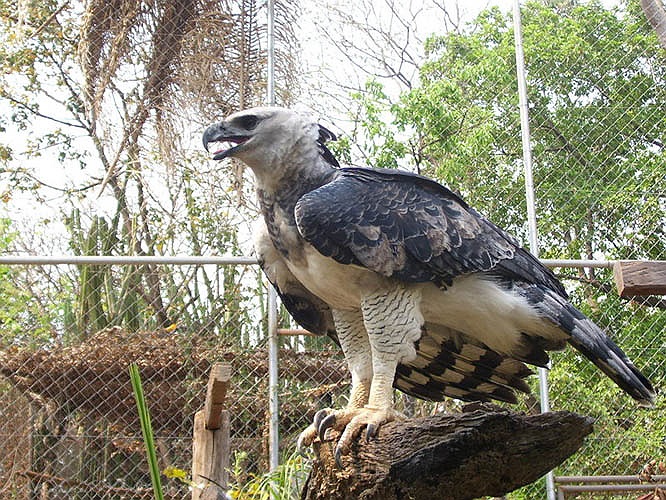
x: 71, y: 429
x: 113, y: 104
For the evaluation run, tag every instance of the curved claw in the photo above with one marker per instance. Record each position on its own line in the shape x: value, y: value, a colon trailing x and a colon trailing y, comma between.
x: 370, y: 431
x: 326, y: 424
x: 306, y: 437
x: 301, y: 447
x: 319, y: 416
x: 338, y: 457
x: 350, y: 422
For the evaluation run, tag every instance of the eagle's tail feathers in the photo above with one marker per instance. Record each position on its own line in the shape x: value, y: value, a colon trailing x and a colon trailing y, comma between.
x: 482, y: 357
x: 462, y: 371
x: 435, y: 346
x: 474, y: 365
x: 590, y: 340
x: 424, y: 386
x: 533, y: 350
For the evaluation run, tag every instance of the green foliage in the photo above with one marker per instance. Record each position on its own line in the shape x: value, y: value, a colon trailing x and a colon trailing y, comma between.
x: 105, y: 297
x: 379, y: 141
x: 24, y: 320
x: 146, y: 431
x: 285, y: 482
x: 596, y: 80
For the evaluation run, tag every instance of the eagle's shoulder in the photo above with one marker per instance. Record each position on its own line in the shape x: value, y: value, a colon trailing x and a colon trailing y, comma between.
x: 308, y: 310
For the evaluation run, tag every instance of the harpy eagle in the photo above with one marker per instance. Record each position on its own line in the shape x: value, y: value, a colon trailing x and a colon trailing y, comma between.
x: 420, y: 291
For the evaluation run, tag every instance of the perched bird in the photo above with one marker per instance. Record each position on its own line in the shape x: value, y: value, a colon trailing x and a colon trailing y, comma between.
x: 420, y: 291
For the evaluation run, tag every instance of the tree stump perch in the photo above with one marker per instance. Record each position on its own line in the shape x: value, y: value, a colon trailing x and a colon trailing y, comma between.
x: 448, y: 456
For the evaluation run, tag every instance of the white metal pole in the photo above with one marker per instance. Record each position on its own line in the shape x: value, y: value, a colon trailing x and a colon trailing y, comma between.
x: 273, y: 406
x: 525, y: 131
x: 270, y: 59
x: 198, y: 260
x: 529, y: 194
x: 125, y: 260
x: 273, y: 403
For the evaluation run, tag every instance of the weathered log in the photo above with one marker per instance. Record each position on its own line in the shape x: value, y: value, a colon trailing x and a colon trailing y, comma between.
x: 484, y: 452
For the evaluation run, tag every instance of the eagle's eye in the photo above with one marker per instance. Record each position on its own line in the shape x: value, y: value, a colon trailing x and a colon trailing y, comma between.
x: 248, y: 122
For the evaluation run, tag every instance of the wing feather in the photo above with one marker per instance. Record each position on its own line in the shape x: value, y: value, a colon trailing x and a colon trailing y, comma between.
x: 308, y: 310
x: 411, y: 228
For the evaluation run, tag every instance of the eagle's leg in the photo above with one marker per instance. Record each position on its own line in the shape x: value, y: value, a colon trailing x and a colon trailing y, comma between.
x: 393, y: 321
x: 358, y: 354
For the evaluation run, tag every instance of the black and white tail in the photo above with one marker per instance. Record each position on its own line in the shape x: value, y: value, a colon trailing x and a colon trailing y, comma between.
x: 592, y: 342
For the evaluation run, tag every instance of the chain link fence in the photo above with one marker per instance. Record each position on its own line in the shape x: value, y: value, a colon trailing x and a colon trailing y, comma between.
x: 71, y: 420
x: 443, y: 104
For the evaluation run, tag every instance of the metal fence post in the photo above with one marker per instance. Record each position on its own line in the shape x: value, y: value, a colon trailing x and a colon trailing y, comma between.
x: 273, y: 431
x: 529, y: 194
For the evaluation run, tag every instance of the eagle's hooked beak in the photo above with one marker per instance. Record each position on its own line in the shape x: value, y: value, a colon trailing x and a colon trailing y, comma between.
x: 220, y: 132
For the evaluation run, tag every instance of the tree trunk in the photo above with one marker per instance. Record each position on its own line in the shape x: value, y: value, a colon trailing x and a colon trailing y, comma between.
x: 656, y: 15
x: 487, y: 451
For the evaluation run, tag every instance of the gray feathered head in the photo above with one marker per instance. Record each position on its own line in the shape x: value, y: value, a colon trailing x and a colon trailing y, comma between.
x: 265, y: 137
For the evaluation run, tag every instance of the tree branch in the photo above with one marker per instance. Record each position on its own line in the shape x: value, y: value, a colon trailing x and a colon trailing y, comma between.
x: 486, y: 452
x: 34, y: 112
x: 656, y: 15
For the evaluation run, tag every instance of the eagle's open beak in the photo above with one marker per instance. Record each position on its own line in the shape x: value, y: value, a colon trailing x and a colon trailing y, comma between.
x: 218, y: 132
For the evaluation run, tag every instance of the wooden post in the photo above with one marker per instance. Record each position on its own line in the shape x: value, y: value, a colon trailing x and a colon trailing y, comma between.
x: 210, y: 445
x: 218, y: 383
x: 640, y: 278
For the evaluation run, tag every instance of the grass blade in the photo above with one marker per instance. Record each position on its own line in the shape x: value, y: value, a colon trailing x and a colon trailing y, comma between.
x: 147, y: 431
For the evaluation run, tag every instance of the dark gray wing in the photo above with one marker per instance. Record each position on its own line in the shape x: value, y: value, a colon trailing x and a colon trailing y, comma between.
x: 411, y: 228
x: 308, y: 310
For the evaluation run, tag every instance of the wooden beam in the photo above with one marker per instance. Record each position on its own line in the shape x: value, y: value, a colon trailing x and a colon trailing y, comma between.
x: 639, y: 278
x: 218, y: 383
x: 210, y: 457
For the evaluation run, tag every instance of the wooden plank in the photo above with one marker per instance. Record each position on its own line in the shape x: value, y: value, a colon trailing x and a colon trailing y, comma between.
x: 218, y: 384
x: 210, y: 457
x: 639, y: 278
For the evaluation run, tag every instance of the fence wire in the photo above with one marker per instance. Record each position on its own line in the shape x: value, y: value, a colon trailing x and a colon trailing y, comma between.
x: 71, y: 429
x: 71, y: 424
x: 431, y: 93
